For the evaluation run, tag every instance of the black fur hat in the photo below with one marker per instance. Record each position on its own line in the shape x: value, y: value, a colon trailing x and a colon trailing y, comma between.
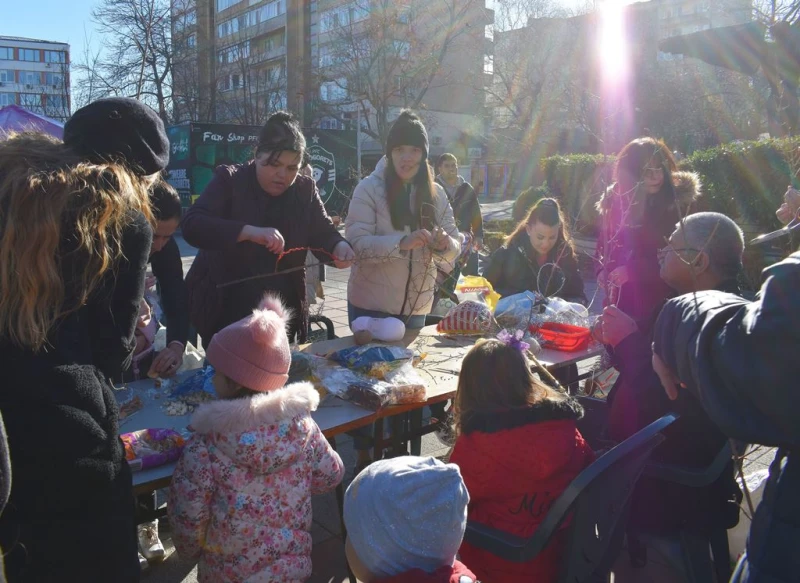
x: 407, y: 130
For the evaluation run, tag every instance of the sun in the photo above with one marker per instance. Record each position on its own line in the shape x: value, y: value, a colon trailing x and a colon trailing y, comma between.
x: 612, y: 49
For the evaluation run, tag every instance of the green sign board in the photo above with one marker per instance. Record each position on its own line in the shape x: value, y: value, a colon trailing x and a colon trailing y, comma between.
x: 198, y: 148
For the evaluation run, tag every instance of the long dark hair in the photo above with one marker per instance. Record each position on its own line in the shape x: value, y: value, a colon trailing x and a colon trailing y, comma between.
x: 548, y: 212
x: 424, y: 208
x: 281, y: 133
x: 632, y: 161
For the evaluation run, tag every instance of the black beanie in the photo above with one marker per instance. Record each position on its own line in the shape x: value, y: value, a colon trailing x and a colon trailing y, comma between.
x: 119, y: 129
x: 407, y: 130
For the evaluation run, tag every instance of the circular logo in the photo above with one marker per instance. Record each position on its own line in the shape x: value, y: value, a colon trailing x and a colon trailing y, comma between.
x: 323, y: 166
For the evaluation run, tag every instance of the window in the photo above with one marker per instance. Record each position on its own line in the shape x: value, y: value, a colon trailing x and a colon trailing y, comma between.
x: 488, y: 64
x: 342, y: 16
x: 6, y: 53
x: 401, y: 48
x: 186, y: 20
x: 274, y: 41
x: 30, y: 78
x: 271, y: 10
x: 55, y: 57
x: 6, y: 99
x: 54, y: 79
x: 234, y: 53
x: 29, y: 55
x: 334, y: 90
x: 30, y: 101
x: 331, y: 123
x: 224, y: 4
x: 191, y: 41
x: 6, y: 76
x: 227, y: 27
x: 55, y: 101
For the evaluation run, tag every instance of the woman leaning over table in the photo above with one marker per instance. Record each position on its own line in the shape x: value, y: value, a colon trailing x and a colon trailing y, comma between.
x: 247, y: 216
x: 75, y: 236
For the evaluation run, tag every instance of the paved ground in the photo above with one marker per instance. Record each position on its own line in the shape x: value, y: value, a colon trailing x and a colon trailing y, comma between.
x: 328, y: 553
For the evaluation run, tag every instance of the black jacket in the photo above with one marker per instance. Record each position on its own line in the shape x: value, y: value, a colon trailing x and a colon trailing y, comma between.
x: 693, y: 441
x: 513, y: 269
x: 71, y: 487
x: 232, y: 200
x: 466, y: 208
x: 168, y: 270
x: 742, y: 361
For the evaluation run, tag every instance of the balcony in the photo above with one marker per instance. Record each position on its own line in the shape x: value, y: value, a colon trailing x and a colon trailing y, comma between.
x: 275, y: 53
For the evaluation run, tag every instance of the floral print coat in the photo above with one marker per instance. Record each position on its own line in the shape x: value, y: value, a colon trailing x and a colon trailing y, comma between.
x: 240, y: 499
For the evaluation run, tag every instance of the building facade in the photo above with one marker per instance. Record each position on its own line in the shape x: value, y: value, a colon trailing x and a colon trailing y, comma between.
x: 34, y: 74
x: 339, y: 65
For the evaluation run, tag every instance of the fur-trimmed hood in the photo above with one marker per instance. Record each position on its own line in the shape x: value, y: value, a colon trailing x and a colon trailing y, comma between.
x: 265, y: 432
x: 550, y: 409
x: 688, y: 188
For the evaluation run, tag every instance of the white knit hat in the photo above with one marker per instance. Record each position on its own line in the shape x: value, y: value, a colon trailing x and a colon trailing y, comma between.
x: 406, y: 513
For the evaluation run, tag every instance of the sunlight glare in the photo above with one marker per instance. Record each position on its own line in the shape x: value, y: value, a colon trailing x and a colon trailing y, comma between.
x: 612, y: 45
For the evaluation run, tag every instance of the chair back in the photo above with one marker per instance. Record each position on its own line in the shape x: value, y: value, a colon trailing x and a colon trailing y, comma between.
x: 596, y: 505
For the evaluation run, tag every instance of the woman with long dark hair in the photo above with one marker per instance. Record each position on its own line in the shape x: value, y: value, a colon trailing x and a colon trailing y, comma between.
x: 538, y: 256
x: 401, y: 225
x: 246, y: 218
x: 638, y: 213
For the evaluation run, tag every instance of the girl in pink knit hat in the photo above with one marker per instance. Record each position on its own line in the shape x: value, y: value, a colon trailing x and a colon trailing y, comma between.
x: 240, y: 499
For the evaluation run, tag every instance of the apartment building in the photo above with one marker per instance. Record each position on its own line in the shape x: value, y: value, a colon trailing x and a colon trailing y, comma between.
x: 34, y: 74
x: 238, y: 60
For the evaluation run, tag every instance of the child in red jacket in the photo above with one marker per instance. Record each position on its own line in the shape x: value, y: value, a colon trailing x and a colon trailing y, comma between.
x: 518, y: 449
x: 405, y: 519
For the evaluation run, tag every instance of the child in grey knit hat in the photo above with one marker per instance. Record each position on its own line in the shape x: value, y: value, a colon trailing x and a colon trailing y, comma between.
x: 405, y: 519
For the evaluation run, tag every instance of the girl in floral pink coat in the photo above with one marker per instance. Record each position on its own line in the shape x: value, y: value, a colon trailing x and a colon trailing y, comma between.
x: 240, y: 499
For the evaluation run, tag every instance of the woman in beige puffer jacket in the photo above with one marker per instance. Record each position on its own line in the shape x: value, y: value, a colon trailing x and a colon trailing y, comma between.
x: 401, y: 227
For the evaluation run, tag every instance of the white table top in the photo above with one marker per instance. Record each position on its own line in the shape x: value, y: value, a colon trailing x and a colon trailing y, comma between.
x: 439, y: 368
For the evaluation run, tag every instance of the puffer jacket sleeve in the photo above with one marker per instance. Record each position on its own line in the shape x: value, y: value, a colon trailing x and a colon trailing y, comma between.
x: 478, y: 473
x: 328, y: 468
x: 740, y: 358
x: 189, y: 505
x: 448, y: 223
x: 361, y: 226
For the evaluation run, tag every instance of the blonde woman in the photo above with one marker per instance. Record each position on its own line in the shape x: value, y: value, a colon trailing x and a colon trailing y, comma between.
x: 75, y: 238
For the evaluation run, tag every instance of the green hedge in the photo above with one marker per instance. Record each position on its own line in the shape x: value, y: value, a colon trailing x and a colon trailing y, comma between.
x: 744, y: 180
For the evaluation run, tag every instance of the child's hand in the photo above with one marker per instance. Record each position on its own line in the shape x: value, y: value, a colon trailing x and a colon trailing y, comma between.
x: 440, y: 239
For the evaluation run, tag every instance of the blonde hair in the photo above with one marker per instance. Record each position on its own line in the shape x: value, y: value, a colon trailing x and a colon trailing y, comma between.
x: 495, y: 377
x: 46, y: 194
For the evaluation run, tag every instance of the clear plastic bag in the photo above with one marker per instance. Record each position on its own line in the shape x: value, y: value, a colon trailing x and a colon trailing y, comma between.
x: 515, y: 312
x: 365, y: 356
x: 407, y: 385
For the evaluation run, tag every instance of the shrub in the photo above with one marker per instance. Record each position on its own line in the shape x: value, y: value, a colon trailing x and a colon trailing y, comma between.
x: 746, y: 180
x: 526, y: 199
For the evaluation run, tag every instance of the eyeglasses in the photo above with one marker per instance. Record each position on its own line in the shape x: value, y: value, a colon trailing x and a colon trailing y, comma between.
x: 667, y: 248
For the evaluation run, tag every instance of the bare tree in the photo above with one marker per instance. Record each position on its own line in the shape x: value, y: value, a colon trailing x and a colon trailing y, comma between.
x: 379, y: 55
x: 771, y: 12
x: 55, y: 97
x: 137, y: 61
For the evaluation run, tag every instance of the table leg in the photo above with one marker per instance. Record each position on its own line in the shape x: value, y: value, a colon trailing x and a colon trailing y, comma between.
x: 378, y: 443
x: 415, y: 422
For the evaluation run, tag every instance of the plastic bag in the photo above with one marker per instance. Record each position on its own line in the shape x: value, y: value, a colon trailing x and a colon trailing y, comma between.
x: 475, y: 288
x: 149, y: 448
x: 301, y: 368
x: 516, y: 311
x: 199, y: 381
x: 564, y: 312
x: 364, y: 357
x: 407, y: 385
x: 467, y: 318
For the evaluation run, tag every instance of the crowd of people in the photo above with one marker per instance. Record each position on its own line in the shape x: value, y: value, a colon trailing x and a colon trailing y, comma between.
x: 81, y: 219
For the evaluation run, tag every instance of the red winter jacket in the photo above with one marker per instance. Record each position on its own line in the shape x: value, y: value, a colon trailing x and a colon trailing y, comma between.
x: 458, y: 573
x: 515, y: 465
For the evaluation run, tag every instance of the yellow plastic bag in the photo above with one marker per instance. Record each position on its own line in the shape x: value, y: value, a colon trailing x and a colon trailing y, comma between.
x: 473, y: 287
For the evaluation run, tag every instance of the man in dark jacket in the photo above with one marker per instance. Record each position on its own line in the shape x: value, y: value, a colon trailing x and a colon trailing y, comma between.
x: 703, y: 253
x: 466, y: 209
x: 741, y: 360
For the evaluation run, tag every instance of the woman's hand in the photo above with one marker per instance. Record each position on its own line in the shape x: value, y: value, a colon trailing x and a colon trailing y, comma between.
x: 619, y: 276
x: 791, y: 204
x: 417, y: 239
x: 440, y: 239
x: 343, y: 255
x: 168, y: 361
x: 616, y: 325
x: 266, y: 236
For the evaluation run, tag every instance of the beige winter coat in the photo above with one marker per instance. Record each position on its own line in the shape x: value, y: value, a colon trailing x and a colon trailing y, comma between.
x: 384, y: 278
